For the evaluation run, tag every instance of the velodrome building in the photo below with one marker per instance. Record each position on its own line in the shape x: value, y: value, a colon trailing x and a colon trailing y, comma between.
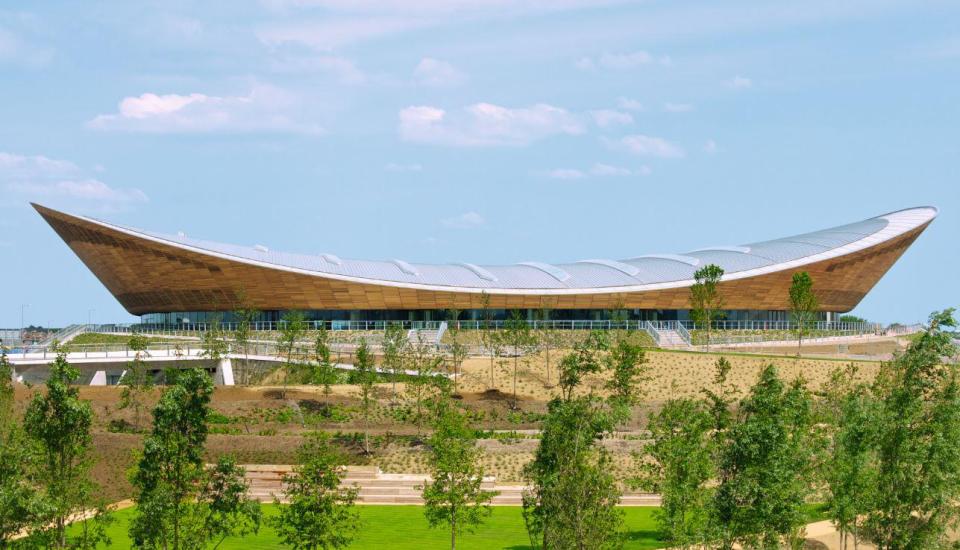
x: 170, y: 278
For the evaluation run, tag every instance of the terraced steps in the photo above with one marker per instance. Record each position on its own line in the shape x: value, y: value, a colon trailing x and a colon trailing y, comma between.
x: 376, y: 487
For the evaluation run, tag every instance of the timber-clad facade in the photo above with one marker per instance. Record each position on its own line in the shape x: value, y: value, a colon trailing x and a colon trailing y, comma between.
x: 148, y: 273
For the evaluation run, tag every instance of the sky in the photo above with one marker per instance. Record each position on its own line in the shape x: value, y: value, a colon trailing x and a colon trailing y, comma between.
x: 487, y: 131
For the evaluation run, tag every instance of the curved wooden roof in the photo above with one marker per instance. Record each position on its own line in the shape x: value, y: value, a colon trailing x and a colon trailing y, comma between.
x: 150, y: 272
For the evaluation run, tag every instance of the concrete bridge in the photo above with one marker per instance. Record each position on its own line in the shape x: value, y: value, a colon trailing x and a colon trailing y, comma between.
x: 105, y: 365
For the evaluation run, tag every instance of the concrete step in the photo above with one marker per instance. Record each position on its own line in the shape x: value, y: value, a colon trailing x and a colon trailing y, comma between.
x: 375, y: 487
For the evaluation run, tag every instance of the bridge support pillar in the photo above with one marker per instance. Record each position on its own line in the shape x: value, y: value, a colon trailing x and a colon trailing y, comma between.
x: 224, y: 374
x: 99, y: 378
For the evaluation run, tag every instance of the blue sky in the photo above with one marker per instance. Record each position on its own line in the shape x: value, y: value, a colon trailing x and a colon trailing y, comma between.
x: 465, y: 130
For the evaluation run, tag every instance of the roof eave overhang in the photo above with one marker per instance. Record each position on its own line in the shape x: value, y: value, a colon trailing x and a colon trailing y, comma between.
x: 899, y: 223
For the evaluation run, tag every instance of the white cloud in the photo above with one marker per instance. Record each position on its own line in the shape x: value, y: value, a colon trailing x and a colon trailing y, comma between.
x: 16, y: 49
x: 344, y: 69
x: 433, y: 72
x: 467, y: 220
x: 326, y: 25
x: 598, y: 170
x: 22, y: 166
x: 485, y: 124
x: 739, y: 83
x: 640, y: 144
x: 621, y: 61
x: 42, y: 178
x: 565, y: 174
x: 87, y: 189
x: 608, y: 170
x: 341, y: 68
x: 584, y: 64
x: 181, y: 27
x: 710, y: 147
x: 629, y: 104
x: 605, y: 118
x: 677, y: 107
x: 439, y: 7
x: 395, y: 167
x: 264, y: 109
x: 336, y: 32
x: 625, y: 60
x: 700, y: 21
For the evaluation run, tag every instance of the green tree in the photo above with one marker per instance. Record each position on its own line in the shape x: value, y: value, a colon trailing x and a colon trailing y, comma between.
x: 6, y: 390
x: 679, y: 468
x: 850, y: 469
x: 455, y: 497
x: 768, y: 461
x: 245, y: 316
x: 180, y: 504
x: 223, y: 505
x: 319, y: 512
x: 803, y: 304
x: 584, y: 359
x: 20, y: 502
x: 518, y: 339
x: 489, y: 336
x: 213, y: 341
x: 137, y: 381
x: 8, y: 420
x: 364, y: 375
x: 572, y: 496
x: 457, y: 351
x: 548, y: 338
x: 851, y: 319
x: 918, y: 452
x: 424, y: 362
x: 626, y: 361
x: 719, y: 401
x: 706, y: 302
x: 58, y: 423
x: 324, y: 372
x: 394, y: 349
x: 292, y: 328
x: 619, y: 317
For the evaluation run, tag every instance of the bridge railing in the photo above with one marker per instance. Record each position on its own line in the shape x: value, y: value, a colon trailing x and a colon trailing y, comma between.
x: 652, y: 331
x: 723, y: 332
x: 188, y: 350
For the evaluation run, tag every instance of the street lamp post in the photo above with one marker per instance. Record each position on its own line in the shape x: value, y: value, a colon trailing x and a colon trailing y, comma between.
x: 22, y: 307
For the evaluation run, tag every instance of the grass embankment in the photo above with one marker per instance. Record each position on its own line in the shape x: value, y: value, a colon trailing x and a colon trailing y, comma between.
x: 96, y: 338
x: 404, y: 527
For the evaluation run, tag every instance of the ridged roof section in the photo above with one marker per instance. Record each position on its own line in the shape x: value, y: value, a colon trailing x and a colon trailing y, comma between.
x: 656, y: 270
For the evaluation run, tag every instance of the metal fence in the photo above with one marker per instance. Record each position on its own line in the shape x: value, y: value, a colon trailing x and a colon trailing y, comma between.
x: 472, y: 324
x: 723, y: 332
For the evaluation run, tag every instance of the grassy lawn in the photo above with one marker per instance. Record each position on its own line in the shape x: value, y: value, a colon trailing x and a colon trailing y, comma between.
x: 96, y: 338
x: 403, y: 527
